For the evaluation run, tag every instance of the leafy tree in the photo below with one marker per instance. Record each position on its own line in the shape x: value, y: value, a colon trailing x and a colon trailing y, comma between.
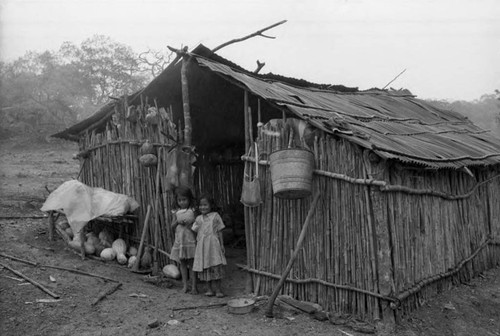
x: 52, y: 90
x: 37, y: 92
x: 107, y: 68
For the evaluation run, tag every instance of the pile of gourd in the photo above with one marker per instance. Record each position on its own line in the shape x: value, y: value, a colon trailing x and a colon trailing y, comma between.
x: 103, y: 245
x: 110, y: 249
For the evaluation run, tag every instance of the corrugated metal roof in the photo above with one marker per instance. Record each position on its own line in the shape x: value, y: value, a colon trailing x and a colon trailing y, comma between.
x: 395, y: 127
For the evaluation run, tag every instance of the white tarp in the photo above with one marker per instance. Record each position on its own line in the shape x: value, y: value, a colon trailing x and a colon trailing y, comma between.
x: 81, y: 203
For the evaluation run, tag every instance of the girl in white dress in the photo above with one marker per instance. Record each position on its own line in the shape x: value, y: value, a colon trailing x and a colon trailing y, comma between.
x: 209, y: 259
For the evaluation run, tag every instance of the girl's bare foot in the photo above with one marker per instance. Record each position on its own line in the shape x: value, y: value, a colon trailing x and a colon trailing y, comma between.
x: 219, y: 294
x: 185, y: 289
x: 194, y: 291
x: 209, y: 293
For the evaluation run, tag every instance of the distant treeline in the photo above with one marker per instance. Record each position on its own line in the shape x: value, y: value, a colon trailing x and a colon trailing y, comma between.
x: 484, y: 112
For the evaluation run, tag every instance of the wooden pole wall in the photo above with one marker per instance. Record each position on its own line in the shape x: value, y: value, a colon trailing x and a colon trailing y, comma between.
x: 366, y: 238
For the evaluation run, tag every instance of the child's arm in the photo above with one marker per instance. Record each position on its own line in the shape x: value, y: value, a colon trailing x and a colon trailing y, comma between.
x: 174, y: 223
x: 219, y: 226
x: 221, y: 241
x: 196, y: 226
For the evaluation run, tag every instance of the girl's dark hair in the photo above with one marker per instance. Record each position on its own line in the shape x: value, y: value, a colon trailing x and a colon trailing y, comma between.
x: 211, y: 201
x: 183, y: 192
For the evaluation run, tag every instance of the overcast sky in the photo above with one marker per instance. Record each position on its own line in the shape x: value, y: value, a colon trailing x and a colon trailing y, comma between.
x: 450, y: 48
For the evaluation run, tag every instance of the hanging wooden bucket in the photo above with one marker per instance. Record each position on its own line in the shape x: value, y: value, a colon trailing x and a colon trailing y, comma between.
x: 292, y: 172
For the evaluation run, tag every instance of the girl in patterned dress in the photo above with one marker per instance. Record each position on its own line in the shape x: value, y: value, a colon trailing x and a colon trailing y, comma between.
x: 209, y: 259
x: 184, y: 247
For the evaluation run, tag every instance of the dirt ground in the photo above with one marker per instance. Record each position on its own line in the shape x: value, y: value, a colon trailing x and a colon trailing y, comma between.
x: 27, y: 170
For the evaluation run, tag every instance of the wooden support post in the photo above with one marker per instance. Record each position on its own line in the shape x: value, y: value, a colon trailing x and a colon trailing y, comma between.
x: 259, y: 115
x: 185, y: 102
x: 298, y: 246
x: 249, y: 284
x: 250, y: 125
x: 156, y: 230
x: 259, y: 119
x: 249, y: 281
x: 246, y: 121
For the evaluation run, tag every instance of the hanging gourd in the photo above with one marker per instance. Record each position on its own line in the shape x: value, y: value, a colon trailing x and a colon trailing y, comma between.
x: 132, y: 114
x: 148, y: 160
x: 152, y: 116
x: 147, y: 148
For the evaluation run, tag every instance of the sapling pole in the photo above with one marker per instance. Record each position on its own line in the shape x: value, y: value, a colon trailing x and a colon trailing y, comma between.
x: 157, y: 213
x: 141, y: 244
x: 185, y: 102
x: 269, y: 310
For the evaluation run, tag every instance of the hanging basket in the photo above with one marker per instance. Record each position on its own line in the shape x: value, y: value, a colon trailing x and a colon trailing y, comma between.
x: 292, y: 172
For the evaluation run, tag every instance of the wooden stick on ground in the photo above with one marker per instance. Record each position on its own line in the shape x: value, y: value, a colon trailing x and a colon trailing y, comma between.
x: 269, y: 310
x: 18, y: 259
x: 55, y: 296
x: 79, y: 272
x: 213, y: 305
x: 57, y: 267
x: 106, y: 292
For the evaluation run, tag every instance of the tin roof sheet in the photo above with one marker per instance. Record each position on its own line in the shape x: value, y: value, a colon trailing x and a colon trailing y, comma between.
x: 398, y: 127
